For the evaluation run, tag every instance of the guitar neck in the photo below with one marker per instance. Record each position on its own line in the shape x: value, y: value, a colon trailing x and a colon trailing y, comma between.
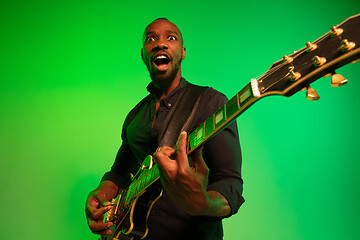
x: 208, y: 129
x: 285, y: 77
x: 224, y: 116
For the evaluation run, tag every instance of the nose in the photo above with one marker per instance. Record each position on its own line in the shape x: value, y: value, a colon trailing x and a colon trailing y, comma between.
x: 160, y: 44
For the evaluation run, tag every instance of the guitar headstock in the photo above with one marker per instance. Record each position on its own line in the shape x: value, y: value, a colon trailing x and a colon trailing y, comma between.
x: 320, y: 58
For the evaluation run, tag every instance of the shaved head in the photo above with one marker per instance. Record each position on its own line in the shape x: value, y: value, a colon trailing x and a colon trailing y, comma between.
x: 163, y: 52
x: 162, y: 19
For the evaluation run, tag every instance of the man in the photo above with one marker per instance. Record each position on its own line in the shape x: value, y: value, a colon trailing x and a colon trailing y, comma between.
x: 195, y: 199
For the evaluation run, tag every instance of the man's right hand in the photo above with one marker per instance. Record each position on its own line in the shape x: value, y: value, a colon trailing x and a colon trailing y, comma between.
x: 97, y: 205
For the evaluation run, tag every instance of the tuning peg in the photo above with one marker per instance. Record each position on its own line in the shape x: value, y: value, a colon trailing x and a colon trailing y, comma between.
x: 293, y: 75
x: 310, y: 46
x: 288, y: 59
x: 319, y: 61
x: 337, y: 80
x: 336, y: 31
x: 346, y: 45
x: 311, y: 94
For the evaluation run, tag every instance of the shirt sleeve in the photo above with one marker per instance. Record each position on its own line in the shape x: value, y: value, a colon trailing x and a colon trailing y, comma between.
x: 222, y: 155
x: 125, y: 162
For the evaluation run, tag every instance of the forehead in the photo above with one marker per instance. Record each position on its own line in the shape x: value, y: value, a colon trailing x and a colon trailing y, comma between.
x: 161, y: 26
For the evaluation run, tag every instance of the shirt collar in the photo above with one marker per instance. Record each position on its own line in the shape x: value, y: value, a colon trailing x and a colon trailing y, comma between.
x: 169, y: 99
x: 152, y: 89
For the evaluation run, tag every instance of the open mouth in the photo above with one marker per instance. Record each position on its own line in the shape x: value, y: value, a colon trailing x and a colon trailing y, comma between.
x: 161, y: 62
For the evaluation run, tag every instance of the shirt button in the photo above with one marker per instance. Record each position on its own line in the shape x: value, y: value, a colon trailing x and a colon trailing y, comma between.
x: 169, y: 104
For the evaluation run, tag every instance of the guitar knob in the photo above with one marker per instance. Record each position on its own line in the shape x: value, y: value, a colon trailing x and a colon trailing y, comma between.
x: 288, y: 59
x: 336, y: 31
x: 294, y: 75
x: 319, y: 61
x: 337, y: 80
x: 310, y: 46
x: 311, y: 94
x: 347, y: 46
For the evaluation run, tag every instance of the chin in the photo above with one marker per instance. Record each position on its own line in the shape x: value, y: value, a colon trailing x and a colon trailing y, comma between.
x: 163, y: 78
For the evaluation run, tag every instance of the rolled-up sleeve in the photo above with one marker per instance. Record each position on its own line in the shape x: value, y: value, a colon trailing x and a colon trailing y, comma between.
x: 222, y: 155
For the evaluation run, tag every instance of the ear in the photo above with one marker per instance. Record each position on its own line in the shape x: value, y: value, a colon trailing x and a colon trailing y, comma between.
x: 183, y: 54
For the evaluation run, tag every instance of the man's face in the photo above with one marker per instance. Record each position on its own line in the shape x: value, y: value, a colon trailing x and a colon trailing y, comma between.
x: 162, y: 51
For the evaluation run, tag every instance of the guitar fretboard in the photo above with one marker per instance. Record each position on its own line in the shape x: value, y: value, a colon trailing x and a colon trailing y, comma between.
x: 221, y: 118
x: 213, y: 125
x: 147, y: 177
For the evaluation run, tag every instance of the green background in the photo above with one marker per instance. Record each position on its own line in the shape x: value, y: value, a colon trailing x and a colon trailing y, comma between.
x: 71, y: 70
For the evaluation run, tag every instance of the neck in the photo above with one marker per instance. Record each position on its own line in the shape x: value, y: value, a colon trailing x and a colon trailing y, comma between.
x: 166, y: 89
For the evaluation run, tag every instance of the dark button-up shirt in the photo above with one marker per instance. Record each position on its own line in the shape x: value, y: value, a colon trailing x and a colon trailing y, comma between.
x: 221, y: 154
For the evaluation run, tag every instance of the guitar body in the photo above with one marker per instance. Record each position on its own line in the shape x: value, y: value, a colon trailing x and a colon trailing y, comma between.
x: 130, y: 220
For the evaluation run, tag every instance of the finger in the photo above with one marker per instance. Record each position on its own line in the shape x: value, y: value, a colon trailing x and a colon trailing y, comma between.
x: 101, y: 198
x: 166, y: 151
x: 200, y: 165
x: 105, y: 233
x: 98, y: 214
x: 162, y: 156
x: 95, y: 199
x: 98, y: 226
x: 181, y: 152
x: 92, y: 203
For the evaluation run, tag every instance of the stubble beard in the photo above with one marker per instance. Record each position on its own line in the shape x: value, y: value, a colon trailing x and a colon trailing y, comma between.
x: 164, y: 80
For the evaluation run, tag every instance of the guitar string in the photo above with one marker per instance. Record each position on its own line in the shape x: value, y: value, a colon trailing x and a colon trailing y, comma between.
x: 267, y: 74
x: 210, y: 123
x: 294, y: 56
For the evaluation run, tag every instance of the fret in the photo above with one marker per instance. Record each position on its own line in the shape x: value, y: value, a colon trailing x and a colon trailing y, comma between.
x: 192, y: 138
x: 219, y: 117
x: 155, y: 173
x: 144, y: 178
x: 152, y: 173
x: 136, y: 187
x: 199, y: 134
x: 232, y: 106
x: 245, y: 95
x: 148, y: 176
x: 129, y: 193
x: 209, y: 126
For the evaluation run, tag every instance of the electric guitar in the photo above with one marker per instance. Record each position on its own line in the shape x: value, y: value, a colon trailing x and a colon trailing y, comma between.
x: 285, y: 77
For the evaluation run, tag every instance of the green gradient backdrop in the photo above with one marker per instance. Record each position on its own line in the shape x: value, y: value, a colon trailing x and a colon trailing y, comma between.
x: 71, y: 70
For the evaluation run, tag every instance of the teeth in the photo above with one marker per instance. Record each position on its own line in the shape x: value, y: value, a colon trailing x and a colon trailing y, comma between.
x: 161, y: 57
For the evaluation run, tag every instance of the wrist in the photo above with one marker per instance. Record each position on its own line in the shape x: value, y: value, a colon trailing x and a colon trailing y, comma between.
x: 214, y: 205
x: 108, y: 189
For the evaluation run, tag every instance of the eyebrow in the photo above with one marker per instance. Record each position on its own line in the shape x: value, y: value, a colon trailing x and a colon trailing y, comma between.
x: 169, y: 32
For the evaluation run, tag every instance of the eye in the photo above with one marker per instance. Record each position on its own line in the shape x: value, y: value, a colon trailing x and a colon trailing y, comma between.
x: 150, y: 39
x: 172, y: 38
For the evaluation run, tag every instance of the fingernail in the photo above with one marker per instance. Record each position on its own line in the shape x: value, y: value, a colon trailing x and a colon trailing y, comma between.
x: 109, y: 225
x: 183, y: 133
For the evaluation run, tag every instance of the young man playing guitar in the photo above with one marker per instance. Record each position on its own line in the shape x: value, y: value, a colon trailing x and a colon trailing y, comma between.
x: 198, y: 190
